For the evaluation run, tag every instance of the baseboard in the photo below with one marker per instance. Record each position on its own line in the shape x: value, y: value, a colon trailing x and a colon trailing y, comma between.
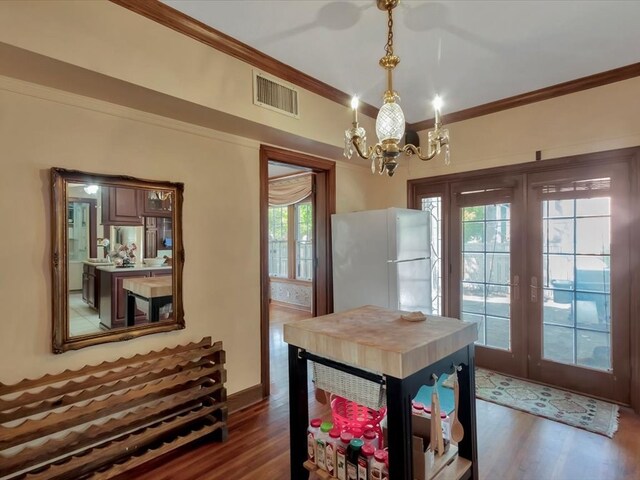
x: 244, y: 398
x: 292, y: 306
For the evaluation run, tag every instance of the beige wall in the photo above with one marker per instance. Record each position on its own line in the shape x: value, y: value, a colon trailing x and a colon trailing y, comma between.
x: 593, y: 120
x: 41, y: 128
x: 106, y: 38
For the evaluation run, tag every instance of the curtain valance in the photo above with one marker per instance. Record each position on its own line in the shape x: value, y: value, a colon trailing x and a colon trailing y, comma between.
x: 290, y: 190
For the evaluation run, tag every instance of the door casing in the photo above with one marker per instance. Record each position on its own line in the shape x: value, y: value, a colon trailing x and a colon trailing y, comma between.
x: 324, y: 206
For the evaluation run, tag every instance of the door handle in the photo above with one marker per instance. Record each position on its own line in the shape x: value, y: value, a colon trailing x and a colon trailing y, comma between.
x: 516, y: 287
x: 533, y: 289
x: 408, y: 260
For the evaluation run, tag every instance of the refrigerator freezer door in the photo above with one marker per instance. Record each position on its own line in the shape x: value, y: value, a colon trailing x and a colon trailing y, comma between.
x: 408, y: 234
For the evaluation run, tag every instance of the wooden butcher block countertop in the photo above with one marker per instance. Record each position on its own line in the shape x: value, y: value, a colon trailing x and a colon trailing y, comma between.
x: 150, y: 287
x: 377, y: 339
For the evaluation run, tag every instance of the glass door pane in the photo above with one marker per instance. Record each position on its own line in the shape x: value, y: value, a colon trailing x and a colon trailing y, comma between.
x: 576, y: 258
x: 433, y: 205
x: 486, y: 272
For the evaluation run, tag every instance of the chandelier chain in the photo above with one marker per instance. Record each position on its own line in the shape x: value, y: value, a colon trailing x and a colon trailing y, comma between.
x: 389, y: 46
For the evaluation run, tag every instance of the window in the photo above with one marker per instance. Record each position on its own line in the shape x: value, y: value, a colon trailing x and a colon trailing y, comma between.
x: 304, y: 241
x: 278, y: 241
x: 291, y: 241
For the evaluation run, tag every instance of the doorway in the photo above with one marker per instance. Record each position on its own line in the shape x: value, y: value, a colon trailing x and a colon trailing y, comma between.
x: 307, y: 256
x: 538, y: 256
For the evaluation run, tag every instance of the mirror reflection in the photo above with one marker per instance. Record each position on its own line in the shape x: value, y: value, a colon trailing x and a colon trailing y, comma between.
x: 119, y: 257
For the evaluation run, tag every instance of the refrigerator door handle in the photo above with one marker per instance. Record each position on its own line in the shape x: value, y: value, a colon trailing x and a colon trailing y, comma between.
x: 408, y: 260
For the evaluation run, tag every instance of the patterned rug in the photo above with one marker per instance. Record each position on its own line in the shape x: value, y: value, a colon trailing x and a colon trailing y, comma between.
x: 559, y: 405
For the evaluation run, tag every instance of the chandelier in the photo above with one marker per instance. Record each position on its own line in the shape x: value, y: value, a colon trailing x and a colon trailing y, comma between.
x: 390, y: 123
x: 159, y: 195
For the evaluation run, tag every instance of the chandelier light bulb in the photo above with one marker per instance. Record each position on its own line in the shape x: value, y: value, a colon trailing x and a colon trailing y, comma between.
x: 355, y: 101
x: 437, y: 107
x: 91, y: 189
x: 437, y: 103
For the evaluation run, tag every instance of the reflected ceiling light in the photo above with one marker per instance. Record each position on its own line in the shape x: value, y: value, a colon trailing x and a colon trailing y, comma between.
x: 91, y: 189
x: 159, y: 195
x: 390, y: 123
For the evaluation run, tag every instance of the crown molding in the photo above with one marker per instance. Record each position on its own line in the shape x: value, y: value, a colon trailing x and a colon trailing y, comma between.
x: 178, y: 21
x: 572, y: 86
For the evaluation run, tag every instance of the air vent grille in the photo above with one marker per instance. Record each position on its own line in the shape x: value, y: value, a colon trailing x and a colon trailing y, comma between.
x: 270, y: 93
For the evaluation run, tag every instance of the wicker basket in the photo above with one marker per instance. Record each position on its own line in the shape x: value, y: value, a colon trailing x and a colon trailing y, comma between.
x: 362, y: 391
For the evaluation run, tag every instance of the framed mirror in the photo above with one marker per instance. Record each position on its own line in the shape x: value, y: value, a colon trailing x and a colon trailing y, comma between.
x: 117, y: 258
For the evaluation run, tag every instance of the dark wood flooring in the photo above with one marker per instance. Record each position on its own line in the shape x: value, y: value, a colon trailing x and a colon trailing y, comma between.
x: 512, y: 445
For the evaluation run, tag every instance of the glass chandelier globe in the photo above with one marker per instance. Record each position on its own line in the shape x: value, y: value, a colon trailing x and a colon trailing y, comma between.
x: 390, y: 122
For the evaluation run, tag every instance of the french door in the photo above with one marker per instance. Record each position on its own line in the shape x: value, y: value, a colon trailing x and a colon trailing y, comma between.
x: 540, y: 262
x: 486, y: 269
x: 578, y: 281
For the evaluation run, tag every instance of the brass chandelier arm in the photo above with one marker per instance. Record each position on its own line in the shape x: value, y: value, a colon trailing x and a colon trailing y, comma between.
x: 409, y: 150
x: 355, y: 141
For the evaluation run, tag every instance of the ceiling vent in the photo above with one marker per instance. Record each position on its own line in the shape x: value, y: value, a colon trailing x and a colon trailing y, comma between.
x: 272, y: 93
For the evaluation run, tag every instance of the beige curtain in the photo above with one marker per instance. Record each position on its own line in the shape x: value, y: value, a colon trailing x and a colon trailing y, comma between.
x: 290, y: 190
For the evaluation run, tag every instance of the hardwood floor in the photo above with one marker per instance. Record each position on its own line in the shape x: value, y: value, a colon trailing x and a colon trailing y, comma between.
x: 512, y: 445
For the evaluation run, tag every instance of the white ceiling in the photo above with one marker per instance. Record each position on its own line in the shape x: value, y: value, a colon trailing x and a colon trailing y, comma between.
x: 470, y: 52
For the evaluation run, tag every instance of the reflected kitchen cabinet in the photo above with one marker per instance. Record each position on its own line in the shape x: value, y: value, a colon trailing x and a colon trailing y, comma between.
x: 121, y: 206
x: 157, y: 236
x: 151, y: 237
x: 91, y: 286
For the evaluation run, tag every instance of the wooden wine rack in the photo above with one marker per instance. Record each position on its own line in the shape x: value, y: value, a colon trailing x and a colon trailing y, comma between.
x: 100, y: 421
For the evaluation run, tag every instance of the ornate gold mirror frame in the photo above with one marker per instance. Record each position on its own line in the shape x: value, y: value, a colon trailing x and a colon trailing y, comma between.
x: 63, y: 184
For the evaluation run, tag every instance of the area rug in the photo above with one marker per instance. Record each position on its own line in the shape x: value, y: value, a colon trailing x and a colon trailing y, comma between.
x: 576, y: 410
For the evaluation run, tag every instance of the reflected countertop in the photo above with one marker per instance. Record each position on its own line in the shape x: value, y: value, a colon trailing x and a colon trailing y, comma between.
x: 136, y: 268
x: 153, y: 287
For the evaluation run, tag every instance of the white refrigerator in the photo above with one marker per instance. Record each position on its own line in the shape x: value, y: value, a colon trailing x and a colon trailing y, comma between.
x: 381, y: 257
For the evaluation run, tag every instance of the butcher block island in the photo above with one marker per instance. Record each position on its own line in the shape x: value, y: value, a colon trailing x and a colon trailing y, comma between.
x: 378, y: 345
x: 152, y: 296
